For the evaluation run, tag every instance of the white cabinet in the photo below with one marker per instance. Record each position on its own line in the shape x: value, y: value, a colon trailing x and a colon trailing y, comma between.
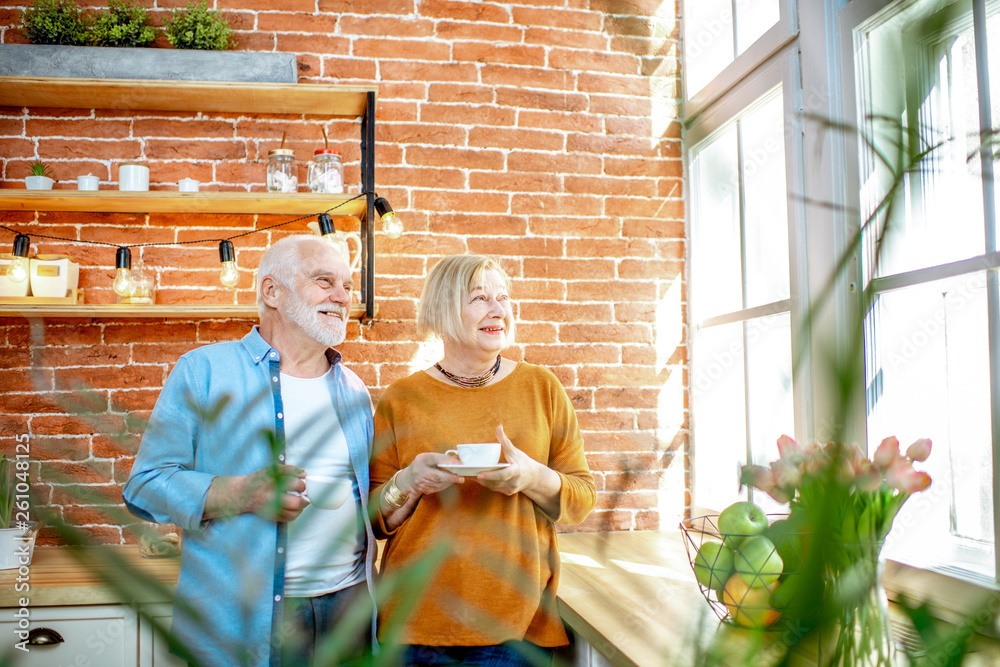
x: 153, y: 649
x: 92, y: 636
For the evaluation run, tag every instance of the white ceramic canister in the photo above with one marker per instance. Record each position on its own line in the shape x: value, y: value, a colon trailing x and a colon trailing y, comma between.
x: 53, y: 275
x: 133, y: 177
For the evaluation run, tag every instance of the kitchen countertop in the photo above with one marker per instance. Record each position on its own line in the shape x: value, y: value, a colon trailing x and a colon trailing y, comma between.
x: 633, y: 597
x: 60, y: 576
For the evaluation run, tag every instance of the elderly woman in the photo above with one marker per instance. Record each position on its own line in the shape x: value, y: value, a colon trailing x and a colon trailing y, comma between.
x: 489, y: 538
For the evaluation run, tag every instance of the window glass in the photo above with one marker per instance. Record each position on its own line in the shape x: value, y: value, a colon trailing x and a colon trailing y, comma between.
x: 769, y: 384
x: 753, y: 18
x: 765, y: 203
x: 719, y: 404
x: 937, y: 216
x: 708, y: 40
x: 712, y: 39
x: 931, y: 379
x: 716, y: 278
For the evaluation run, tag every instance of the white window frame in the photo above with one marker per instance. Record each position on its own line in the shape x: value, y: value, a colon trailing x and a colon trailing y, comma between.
x: 814, y: 44
x: 781, y: 69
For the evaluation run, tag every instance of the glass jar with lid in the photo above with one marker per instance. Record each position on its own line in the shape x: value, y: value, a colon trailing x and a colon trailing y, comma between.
x: 326, y: 171
x: 282, y: 175
x: 144, y: 281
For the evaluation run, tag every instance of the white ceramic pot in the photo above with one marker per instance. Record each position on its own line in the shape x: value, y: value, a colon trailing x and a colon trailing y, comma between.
x: 133, y: 177
x: 15, y: 551
x: 53, y: 275
x: 38, y: 183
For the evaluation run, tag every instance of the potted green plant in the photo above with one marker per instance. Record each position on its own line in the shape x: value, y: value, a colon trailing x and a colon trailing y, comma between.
x: 17, y: 542
x: 40, y: 178
x: 55, y: 22
x: 198, y: 27
x: 123, y: 24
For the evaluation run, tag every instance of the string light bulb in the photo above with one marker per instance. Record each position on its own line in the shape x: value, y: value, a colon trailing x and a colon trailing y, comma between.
x: 326, y: 228
x: 230, y: 275
x: 123, y: 284
x: 17, y: 270
x: 391, y: 225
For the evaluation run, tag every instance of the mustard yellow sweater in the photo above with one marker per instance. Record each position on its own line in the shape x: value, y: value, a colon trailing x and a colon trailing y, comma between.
x: 492, y: 560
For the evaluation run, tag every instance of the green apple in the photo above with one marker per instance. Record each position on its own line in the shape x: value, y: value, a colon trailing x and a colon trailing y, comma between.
x: 741, y: 520
x: 757, y: 561
x: 787, y: 539
x: 713, y: 564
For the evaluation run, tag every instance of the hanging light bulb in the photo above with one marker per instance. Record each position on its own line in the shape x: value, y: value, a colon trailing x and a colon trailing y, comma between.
x: 123, y: 284
x: 391, y: 225
x: 229, y: 275
x: 326, y: 228
x: 17, y: 270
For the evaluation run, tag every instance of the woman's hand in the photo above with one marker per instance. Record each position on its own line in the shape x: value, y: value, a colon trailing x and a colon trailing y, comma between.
x: 420, y: 477
x: 524, y: 475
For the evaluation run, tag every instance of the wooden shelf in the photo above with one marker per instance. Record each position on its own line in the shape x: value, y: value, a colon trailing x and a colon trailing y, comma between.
x: 197, y: 96
x: 126, y: 310
x: 165, y: 201
x: 269, y: 98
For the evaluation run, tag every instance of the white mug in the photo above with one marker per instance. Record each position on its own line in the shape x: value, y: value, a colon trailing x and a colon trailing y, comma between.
x: 328, y: 493
x: 478, y: 453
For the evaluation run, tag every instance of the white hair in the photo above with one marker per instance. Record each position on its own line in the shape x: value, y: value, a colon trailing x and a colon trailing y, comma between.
x: 281, y: 261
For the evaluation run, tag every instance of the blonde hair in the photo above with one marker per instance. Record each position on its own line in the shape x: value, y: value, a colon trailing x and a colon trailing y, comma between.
x: 448, y: 286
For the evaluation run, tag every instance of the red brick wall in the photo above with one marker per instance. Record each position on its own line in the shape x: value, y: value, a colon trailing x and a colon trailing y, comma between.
x: 543, y: 133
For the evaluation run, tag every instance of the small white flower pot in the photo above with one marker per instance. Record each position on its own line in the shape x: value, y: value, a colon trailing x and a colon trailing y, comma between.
x: 15, y: 551
x: 38, y: 183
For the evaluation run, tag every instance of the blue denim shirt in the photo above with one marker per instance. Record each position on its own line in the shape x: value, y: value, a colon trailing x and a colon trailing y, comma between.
x: 220, y: 414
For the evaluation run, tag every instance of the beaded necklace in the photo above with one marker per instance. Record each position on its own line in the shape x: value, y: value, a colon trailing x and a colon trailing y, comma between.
x: 471, y: 382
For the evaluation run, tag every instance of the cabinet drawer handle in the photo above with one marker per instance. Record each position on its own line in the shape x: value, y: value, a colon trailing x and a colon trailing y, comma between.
x: 44, y: 637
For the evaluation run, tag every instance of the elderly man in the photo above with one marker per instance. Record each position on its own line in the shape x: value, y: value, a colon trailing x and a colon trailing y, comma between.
x: 236, y: 434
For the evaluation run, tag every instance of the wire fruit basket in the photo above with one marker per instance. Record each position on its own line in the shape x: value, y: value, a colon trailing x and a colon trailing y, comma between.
x: 744, y: 576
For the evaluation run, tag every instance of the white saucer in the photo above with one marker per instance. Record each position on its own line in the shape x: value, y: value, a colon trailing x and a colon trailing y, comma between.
x: 468, y: 471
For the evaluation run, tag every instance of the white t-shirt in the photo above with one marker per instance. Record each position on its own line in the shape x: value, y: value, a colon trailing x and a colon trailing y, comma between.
x: 325, y: 547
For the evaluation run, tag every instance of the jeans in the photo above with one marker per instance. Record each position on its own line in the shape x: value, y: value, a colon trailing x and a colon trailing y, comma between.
x: 508, y: 654
x: 311, y: 622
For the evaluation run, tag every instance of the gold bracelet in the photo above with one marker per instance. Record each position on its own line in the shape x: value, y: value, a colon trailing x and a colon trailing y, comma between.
x: 392, y: 494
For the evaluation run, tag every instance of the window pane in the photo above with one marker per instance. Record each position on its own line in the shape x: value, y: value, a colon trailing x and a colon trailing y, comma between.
x: 716, y: 272
x: 708, y: 40
x: 769, y: 384
x: 765, y: 206
x: 932, y: 380
x: 937, y: 215
x: 753, y: 18
x: 719, y: 405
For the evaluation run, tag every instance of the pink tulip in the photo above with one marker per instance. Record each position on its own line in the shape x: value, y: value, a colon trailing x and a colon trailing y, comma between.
x: 914, y: 481
x: 759, y: 477
x: 887, y: 453
x: 869, y: 477
x: 919, y: 450
x: 788, y: 448
x: 816, y: 459
x: 780, y: 495
x: 894, y: 476
x: 786, y: 474
x: 856, y: 456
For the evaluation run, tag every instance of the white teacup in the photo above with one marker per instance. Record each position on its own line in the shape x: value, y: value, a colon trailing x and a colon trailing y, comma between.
x: 477, y: 453
x: 327, y: 492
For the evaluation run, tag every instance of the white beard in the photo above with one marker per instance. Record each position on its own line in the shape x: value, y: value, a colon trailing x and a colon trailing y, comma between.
x: 330, y: 331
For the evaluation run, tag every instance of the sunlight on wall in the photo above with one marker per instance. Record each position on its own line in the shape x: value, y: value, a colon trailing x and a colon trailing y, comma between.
x: 668, y: 336
x: 429, y: 353
x: 664, y: 86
